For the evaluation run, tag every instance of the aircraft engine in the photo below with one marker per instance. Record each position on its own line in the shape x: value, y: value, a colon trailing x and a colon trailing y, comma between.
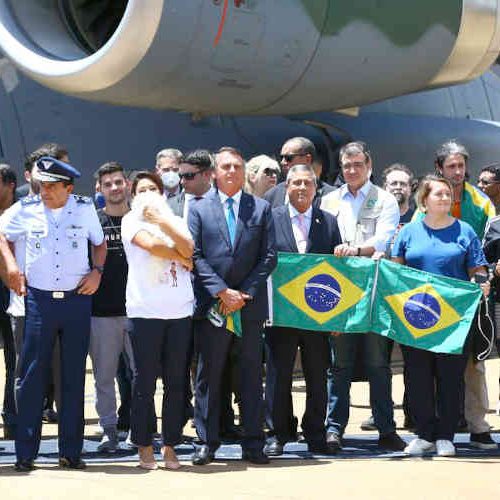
x: 249, y: 56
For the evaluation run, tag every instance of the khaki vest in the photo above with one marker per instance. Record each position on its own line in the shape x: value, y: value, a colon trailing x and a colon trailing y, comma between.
x: 368, y: 215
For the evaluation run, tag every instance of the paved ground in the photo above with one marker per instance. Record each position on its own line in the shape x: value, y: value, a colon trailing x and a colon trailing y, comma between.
x: 440, y: 478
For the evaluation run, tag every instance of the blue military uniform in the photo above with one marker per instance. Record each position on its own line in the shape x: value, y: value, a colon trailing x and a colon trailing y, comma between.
x: 56, y: 260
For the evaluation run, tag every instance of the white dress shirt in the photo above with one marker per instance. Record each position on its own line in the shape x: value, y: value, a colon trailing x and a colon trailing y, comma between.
x: 236, y: 203
x: 300, y: 231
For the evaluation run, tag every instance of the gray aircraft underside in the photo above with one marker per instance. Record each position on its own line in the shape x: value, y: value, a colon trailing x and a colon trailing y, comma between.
x: 219, y: 66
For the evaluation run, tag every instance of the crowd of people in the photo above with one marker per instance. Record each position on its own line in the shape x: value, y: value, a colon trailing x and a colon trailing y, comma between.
x: 145, y: 282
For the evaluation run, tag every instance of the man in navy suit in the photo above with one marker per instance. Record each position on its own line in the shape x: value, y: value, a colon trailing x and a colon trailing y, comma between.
x: 234, y: 254
x: 301, y: 227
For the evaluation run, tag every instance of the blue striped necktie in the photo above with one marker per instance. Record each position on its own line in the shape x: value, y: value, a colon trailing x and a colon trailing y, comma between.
x: 231, y: 220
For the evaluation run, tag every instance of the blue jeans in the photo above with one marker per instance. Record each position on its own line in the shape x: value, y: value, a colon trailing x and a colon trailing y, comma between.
x: 376, y: 363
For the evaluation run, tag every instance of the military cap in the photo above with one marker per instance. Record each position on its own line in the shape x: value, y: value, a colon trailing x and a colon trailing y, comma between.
x: 53, y: 170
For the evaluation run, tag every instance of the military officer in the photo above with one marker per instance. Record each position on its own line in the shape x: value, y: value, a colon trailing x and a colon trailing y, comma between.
x: 55, y: 227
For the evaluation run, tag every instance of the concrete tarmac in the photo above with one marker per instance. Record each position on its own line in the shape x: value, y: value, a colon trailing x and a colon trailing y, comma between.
x: 419, y: 478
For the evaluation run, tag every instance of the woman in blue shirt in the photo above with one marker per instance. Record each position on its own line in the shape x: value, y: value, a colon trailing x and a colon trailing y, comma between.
x: 438, y: 244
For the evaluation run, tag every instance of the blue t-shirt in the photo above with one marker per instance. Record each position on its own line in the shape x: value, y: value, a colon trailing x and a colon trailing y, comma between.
x: 450, y: 251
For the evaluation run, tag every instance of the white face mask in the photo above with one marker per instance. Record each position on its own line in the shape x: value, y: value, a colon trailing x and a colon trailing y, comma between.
x: 170, y: 179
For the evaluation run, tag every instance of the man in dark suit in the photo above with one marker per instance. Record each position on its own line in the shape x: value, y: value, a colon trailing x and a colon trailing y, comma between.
x: 196, y: 172
x: 234, y: 254
x: 297, y: 151
x: 301, y: 227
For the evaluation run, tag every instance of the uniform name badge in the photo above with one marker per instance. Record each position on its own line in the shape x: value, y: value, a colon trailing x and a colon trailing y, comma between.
x: 73, y: 233
x: 36, y: 233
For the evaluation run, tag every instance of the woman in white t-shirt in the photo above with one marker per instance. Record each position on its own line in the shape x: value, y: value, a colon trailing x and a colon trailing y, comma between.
x: 159, y: 301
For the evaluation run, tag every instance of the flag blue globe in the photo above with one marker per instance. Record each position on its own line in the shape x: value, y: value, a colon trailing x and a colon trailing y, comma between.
x: 322, y: 293
x: 422, y: 311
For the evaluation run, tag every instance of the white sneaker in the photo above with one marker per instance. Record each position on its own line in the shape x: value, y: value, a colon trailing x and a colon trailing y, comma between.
x: 445, y: 448
x: 419, y: 447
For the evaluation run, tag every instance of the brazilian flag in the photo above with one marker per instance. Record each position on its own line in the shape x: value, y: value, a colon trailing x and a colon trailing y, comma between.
x: 322, y: 292
x: 231, y: 322
x: 423, y: 310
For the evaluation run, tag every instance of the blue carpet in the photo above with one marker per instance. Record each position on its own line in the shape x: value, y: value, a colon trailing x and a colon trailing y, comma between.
x: 361, y: 446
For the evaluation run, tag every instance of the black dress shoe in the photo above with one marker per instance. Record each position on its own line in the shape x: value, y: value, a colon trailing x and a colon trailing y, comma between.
x: 273, y: 448
x: 72, y: 463
x: 255, y: 457
x: 391, y: 441
x: 24, y: 466
x: 203, y: 456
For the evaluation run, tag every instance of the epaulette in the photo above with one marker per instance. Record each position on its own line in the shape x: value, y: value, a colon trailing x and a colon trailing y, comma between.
x: 30, y: 200
x: 83, y: 199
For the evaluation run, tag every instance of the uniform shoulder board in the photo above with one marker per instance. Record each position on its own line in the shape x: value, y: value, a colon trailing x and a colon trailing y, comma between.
x: 83, y: 199
x: 30, y: 200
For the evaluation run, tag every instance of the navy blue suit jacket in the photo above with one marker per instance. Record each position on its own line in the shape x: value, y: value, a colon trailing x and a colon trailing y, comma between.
x: 217, y: 265
x: 323, y: 236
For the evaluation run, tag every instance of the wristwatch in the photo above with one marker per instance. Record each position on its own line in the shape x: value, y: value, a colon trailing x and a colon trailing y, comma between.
x: 99, y: 269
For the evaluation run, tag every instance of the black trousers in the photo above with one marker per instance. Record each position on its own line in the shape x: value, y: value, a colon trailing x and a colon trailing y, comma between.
x: 433, y: 385
x: 281, y: 349
x: 159, y: 344
x: 9, y: 352
x: 213, y: 345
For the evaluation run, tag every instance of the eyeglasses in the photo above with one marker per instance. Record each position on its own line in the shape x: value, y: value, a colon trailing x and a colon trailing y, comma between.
x: 289, y: 157
x: 271, y: 172
x: 189, y: 176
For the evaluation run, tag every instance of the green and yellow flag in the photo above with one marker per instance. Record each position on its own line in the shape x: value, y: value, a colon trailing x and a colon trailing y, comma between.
x: 423, y: 310
x: 412, y: 307
x: 322, y: 292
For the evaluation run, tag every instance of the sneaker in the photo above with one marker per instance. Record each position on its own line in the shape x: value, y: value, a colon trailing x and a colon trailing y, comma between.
x: 109, y: 441
x: 483, y: 441
x: 391, y: 442
x: 419, y: 447
x: 333, y: 442
x: 445, y: 448
x: 369, y: 424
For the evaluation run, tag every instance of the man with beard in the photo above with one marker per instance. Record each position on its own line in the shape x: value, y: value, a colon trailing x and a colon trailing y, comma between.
x: 397, y: 179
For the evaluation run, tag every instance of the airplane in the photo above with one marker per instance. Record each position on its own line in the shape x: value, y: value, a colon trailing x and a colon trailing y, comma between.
x: 249, y: 73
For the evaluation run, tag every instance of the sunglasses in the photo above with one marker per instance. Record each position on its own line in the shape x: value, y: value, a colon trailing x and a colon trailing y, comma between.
x: 189, y: 176
x: 487, y: 183
x: 271, y: 172
x: 288, y: 158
